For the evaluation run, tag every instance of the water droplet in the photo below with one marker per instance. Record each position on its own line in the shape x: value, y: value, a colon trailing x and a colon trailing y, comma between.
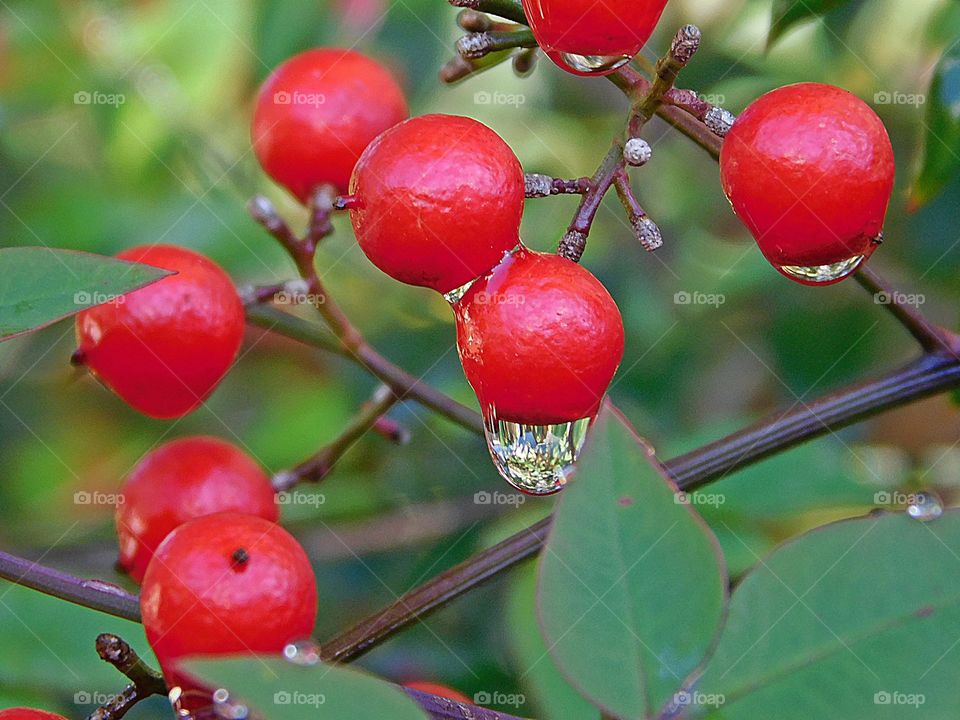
x: 303, y: 652
x: 453, y: 297
x: 589, y: 64
x: 535, y: 459
x: 925, y: 506
x: 822, y: 274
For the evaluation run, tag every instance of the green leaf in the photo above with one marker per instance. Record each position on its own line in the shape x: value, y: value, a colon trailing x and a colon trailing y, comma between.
x: 941, y: 141
x: 280, y: 690
x: 632, y: 584
x: 549, y: 691
x: 787, y: 13
x: 858, y: 619
x: 39, y: 285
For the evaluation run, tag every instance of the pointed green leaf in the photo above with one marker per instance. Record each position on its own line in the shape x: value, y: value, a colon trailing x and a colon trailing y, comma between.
x: 858, y: 619
x: 787, y: 13
x: 632, y: 585
x: 941, y: 140
x: 279, y: 690
x: 39, y: 285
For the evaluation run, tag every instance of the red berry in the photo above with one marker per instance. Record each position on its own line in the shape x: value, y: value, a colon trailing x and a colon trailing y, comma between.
x: 587, y: 37
x: 438, y: 690
x: 809, y: 169
x: 165, y: 347
x: 226, y: 584
x: 438, y: 201
x: 182, y: 480
x: 317, y: 112
x: 540, y: 340
x: 23, y: 713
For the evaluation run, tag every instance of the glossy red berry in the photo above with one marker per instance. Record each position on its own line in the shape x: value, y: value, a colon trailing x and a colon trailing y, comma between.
x: 438, y: 690
x: 809, y: 170
x: 540, y: 340
x: 226, y: 584
x: 586, y: 37
x: 317, y: 112
x: 182, y: 480
x: 165, y: 347
x: 438, y: 201
x: 23, y: 713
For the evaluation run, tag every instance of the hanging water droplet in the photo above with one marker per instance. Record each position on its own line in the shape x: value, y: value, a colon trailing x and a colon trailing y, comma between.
x: 817, y: 274
x: 535, y: 459
x: 302, y: 652
x: 589, y: 64
x: 925, y: 506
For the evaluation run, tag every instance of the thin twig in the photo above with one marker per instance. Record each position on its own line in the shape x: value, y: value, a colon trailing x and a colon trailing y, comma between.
x: 317, y: 467
x: 509, y: 9
x: 94, y: 594
x: 405, y: 385
x: 145, y: 681
x: 930, y: 337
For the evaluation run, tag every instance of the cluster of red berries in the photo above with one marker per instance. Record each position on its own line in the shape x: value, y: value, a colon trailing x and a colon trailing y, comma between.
x: 435, y: 201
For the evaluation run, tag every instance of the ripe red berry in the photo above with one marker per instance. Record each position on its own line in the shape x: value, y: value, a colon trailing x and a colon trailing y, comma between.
x: 23, y: 713
x: 317, y: 112
x: 540, y: 340
x: 165, y: 347
x: 586, y: 37
x: 809, y: 169
x: 438, y: 690
x: 226, y: 584
x: 182, y: 480
x: 438, y: 201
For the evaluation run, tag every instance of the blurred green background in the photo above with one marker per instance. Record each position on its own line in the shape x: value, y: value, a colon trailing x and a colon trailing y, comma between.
x: 172, y: 163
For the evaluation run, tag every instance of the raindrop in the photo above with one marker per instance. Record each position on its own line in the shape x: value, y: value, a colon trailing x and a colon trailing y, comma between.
x: 817, y: 274
x: 303, y: 652
x: 535, y: 459
x: 925, y: 506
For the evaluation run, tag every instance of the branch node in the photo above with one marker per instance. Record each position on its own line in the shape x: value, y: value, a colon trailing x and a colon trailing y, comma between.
x: 719, y: 121
x: 536, y: 185
x: 685, y: 43
x: 473, y: 20
x: 637, y: 152
x: 525, y: 61
x: 647, y: 232
x: 475, y: 45
x: 572, y: 245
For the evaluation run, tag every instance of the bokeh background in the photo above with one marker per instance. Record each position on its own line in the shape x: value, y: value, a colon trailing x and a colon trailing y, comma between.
x: 168, y: 159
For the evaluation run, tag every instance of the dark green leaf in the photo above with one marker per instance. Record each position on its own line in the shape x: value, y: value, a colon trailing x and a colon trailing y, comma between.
x: 39, y: 286
x: 623, y: 562
x: 279, y: 690
x: 549, y: 692
x: 859, y: 619
x: 787, y: 13
x: 941, y: 141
